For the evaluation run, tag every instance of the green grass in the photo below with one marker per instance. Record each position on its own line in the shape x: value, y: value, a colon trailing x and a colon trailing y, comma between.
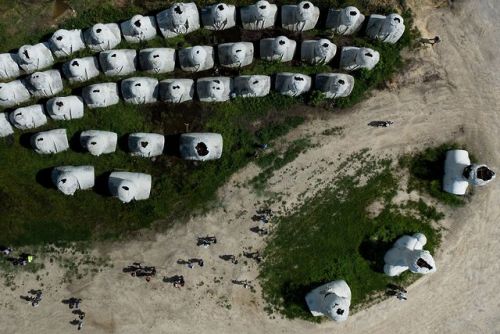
x: 332, y: 236
x: 33, y: 212
x: 273, y: 161
x: 426, y: 171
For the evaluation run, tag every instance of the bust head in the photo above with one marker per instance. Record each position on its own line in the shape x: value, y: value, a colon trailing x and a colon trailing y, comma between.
x: 349, y: 16
x: 96, y: 145
x: 305, y: 11
x: 394, y: 20
x: 216, y: 89
x: 178, y: 14
x: 335, y: 307
x: 100, y: 33
x: 27, y: 54
x: 99, y: 94
x: 422, y: 262
x: 238, y: 52
x: 61, y: 39
x: 197, y: 55
x: 297, y: 83
x: 220, y: 12
x: 280, y: 45
x: 67, y: 183
x: 59, y: 107
x: 126, y: 190
x: 323, y: 48
x: 39, y: 80
x: 256, y: 85
x: 155, y: 60
x: 175, y: 89
x: 262, y: 10
x: 77, y: 68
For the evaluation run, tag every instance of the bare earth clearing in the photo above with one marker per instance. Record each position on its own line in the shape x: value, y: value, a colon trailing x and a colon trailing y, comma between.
x: 450, y: 93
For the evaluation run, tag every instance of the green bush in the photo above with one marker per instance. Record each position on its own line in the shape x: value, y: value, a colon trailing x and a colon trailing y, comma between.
x: 427, y: 170
x: 332, y: 236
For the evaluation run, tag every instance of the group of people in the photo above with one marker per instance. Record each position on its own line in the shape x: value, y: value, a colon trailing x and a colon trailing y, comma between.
x: 74, y: 305
x: 191, y: 262
x: 21, y: 260
x: 138, y: 270
x: 206, y: 241
x: 34, y: 297
x: 397, y: 291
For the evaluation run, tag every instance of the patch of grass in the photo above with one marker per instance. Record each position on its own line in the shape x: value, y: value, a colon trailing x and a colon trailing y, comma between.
x: 273, y: 161
x: 335, y: 131
x: 426, y: 170
x: 33, y: 212
x: 332, y: 237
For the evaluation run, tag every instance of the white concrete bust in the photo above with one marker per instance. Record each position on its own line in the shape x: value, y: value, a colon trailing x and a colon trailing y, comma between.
x: 64, y: 43
x: 65, y: 108
x: 28, y: 117
x: 99, y: 142
x: 69, y: 179
x: 50, y: 142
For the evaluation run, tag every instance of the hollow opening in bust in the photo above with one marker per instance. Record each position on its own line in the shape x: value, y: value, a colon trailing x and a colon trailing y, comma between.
x: 178, y: 10
x: 353, y: 13
x: 368, y: 54
x: 59, y: 38
x: 156, y: 56
x: 63, y: 180
x: 113, y: 55
x: 125, y: 188
x: 201, y: 149
x: 138, y: 84
x: 298, y: 78
x: 144, y: 144
x: 137, y: 23
x: 306, y: 6
x: 59, y: 103
x: 176, y: 87
x: 93, y: 143
x: 98, y: 30
x: 263, y: 7
x: 396, y: 19
x: 96, y: 91
x: 325, y: 45
x: 340, y: 311
x: 26, y: 54
x: 341, y: 82
x: 484, y: 173
x: 220, y: 7
x: 75, y: 63
x: 39, y: 139
x: 423, y: 264
x: 281, y: 42
x: 255, y: 82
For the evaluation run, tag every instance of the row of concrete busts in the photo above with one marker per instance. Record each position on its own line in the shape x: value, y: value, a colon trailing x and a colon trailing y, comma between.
x: 183, y: 18
x: 126, y: 186
x: 162, y: 60
x: 143, y: 90
x: 194, y: 146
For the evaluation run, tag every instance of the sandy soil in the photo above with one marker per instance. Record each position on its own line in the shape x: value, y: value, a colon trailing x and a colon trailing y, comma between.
x: 450, y: 92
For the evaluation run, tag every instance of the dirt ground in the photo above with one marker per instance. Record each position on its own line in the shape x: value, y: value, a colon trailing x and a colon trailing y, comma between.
x: 450, y: 92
